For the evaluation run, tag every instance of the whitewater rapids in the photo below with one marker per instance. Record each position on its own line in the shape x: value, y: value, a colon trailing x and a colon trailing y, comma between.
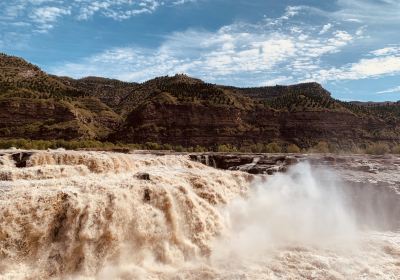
x: 98, y: 215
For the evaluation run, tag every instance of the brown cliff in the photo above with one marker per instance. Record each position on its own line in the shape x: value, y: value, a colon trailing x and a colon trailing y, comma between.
x: 181, y: 110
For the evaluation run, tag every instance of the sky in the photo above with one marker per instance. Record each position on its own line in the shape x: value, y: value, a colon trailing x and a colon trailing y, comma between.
x: 351, y: 47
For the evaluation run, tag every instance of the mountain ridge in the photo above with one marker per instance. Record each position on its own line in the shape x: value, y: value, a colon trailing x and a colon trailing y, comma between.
x: 183, y: 110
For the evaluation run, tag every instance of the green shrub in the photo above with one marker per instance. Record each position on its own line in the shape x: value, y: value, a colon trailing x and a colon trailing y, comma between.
x: 293, y: 149
x: 321, y: 147
x: 273, y: 148
x: 189, y: 150
x: 200, y: 149
x: 378, y: 149
x: 178, y: 149
x: 226, y: 148
x: 245, y: 149
x: 167, y: 147
x: 396, y: 149
x: 152, y: 146
x: 133, y: 146
x: 257, y: 148
x: 356, y: 150
x: 54, y: 144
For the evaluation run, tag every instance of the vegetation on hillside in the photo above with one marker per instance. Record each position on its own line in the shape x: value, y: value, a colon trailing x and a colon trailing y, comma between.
x: 303, y: 101
x: 321, y: 147
x: 89, y: 111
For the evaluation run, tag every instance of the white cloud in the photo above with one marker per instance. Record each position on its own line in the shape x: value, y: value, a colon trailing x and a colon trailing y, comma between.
x: 392, y: 50
x: 89, y: 10
x: 181, y: 2
x: 285, y: 49
x: 45, y: 17
x: 121, y: 9
x: 281, y: 80
x: 376, y: 66
x: 363, y: 69
x: 325, y: 28
x: 382, y: 12
x: 369, y: 11
x: 241, y: 53
x: 290, y: 12
x: 391, y: 90
x: 118, y: 10
x: 42, y: 15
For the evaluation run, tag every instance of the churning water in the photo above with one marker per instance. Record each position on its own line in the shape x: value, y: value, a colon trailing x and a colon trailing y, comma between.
x: 88, y: 215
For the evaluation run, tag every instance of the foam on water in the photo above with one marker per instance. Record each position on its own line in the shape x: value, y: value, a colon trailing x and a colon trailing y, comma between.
x: 87, y: 215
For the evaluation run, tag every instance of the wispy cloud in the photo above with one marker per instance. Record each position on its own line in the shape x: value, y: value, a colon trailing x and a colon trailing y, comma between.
x: 118, y: 10
x: 277, y: 81
x: 363, y: 69
x: 84, y: 9
x: 369, y: 11
x: 264, y: 53
x: 337, y: 44
x: 325, y: 28
x: 382, y: 12
x: 377, y: 63
x: 43, y: 15
x: 181, y: 2
x: 241, y: 53
x: 391, y: 90
x: 391, y: 50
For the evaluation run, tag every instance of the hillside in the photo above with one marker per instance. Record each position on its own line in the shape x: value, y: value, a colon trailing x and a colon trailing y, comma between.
x: 181, y: 110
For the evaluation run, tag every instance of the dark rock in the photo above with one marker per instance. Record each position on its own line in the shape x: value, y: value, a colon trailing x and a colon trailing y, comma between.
x: 121, y: 150
x: 146, y: 196
x: 21, y: 159
x: 272, y: 163
x: 291, y: 160
x: 143, y: 176
x: 329, y: 158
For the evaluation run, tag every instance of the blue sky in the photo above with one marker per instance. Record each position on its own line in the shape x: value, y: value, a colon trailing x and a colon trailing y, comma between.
x: 352, y: 47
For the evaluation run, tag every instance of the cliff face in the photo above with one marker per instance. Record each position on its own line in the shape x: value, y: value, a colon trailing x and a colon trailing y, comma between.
x: 46, y: 119
x: 23, y: 117
x: 166, y: 123
x: 183, y: 124
x: 181, y: 110
x: 39, y: 106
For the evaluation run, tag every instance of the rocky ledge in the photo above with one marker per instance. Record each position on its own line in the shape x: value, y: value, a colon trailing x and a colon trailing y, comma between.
x: 355, y: 168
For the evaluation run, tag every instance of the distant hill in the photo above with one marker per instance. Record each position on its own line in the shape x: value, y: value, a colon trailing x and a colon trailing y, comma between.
x: 182, y: 110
